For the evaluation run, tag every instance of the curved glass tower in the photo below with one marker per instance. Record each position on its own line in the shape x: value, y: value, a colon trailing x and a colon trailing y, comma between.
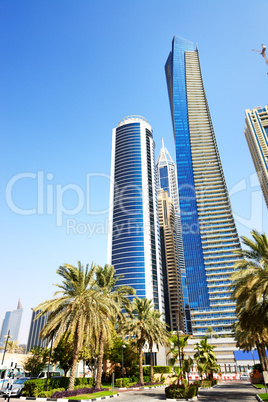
x: 208, y: 228
x: 133, y: 239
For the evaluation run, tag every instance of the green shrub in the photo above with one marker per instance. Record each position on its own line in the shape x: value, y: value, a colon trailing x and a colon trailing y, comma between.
x: 34, y: 388
x: 208, y: 383
x: 119, y: 382
x: 146, y: 378
x: 157, y: 370
x: 162, y: 369
x: 135, y: 379
x: 48, y: 394
x: 174, y: 392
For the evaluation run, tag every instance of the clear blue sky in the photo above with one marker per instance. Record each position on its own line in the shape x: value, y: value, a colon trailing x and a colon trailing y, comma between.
x: 70, y: 71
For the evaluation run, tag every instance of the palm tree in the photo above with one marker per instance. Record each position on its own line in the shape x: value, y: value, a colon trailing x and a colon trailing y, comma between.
x: 179, y: 344
x: 252, y: 273
x: 137, y: 324
x: 80, y: 310
x: 177, y: 352
x: 206, y: 356
x: 210, y: 332
x: 250, y: 291
x: 106, y: 282
x: 12, y: 347
x: 158, y: 335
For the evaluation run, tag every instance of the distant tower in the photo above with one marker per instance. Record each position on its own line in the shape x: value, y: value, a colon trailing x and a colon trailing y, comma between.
x: 170, y: 263
x: 35, y: 329
x: 11, y: 323
x: 209, y: 232
x: 256, y: 132
x: 167, y: 180
x: 133, y: 239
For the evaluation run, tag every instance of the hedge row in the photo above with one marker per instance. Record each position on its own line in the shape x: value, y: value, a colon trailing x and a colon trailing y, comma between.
x: 36, y: 387
x: 129, y: 381
x: 157, y: 370
x: 174, y: 392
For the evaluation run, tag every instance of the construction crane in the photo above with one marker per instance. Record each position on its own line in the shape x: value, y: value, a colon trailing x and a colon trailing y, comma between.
x: 262, y: 52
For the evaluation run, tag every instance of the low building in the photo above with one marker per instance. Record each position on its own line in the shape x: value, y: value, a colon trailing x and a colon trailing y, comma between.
x: 229, y: 357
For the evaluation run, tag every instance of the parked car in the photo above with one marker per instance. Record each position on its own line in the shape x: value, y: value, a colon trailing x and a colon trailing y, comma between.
x: 244, y: 376
x: 16, y: 389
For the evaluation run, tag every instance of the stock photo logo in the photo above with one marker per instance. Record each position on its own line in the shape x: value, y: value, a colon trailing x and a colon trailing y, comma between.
x: 49, y: 198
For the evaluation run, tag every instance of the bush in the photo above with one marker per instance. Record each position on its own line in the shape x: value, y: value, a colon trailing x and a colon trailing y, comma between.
x: 47, y: 394
x: 33, y: 388
x: 162, y: 369
x: 208, y: 383
x: 258, y: 367
x: 174, y: 392
x: 157, y: 370
x: 119, y: 382
x: 81, y: 391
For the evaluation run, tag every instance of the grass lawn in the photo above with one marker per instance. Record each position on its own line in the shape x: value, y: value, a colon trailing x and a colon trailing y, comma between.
x: 90, y: 396
x: 259, y: 386
x: 263, y: 397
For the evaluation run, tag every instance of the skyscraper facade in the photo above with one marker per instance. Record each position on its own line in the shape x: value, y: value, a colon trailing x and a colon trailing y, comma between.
x: 167, y: 180
x: 35, y: 329
x: 133, y: 239
x: 11, y: 324
x: 256, y: 132
x: 208, y: 228
x: 174, y: 306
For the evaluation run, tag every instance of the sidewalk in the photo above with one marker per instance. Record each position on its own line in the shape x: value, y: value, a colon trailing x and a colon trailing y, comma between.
x: 230, y: 391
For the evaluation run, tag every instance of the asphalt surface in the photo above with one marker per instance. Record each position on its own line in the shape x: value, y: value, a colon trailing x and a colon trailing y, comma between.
x: 232, y: 391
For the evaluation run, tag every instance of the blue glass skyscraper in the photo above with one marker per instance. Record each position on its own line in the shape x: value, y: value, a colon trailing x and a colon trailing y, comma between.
x: 11, y: 324
x: 133, y: 239
x: 208, y: 228
x: 35, y: 329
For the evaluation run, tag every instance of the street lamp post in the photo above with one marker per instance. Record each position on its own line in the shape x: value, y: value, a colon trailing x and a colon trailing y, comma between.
x: 7, y: 336
x: 178, y: 335
x: 51, y: 345
x: 123, y: 347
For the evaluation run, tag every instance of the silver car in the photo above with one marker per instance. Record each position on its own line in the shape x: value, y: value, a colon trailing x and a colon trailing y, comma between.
x: 17, y: 387
x: 244, y: 376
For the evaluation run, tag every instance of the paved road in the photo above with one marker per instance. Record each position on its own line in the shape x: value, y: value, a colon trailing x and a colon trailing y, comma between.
x: 223, y: 392
x: 231, y: 392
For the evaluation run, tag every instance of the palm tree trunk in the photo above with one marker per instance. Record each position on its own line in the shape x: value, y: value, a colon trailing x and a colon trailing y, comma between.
x: 151, y: 363
x: 140, y: 363
x: 258, y: 345
x: 100, y: 360
x: 264, y: 356
x: 75, y: 360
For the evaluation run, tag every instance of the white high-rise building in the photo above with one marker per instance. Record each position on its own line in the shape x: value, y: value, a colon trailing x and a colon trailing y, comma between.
x: 133, y: 239
x: 167, y: 180
x: 256, y: 133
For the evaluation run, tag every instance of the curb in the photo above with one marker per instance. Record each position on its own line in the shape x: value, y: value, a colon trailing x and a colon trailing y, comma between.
x: 182, y: 400
x: 31, y: 398
x: 139, y: 388
x: 258, y: 398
